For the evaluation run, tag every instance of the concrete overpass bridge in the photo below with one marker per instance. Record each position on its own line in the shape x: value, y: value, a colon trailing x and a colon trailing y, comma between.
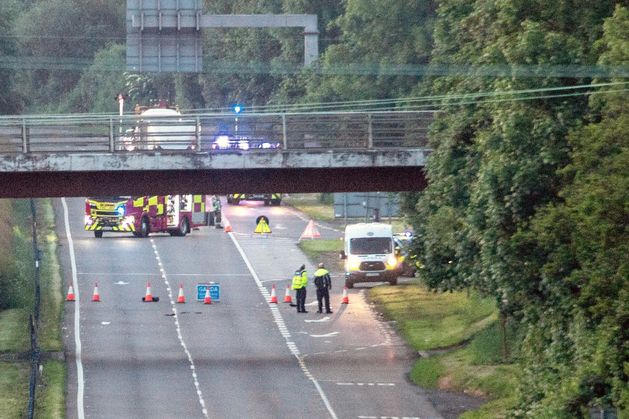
x: 82, y: 155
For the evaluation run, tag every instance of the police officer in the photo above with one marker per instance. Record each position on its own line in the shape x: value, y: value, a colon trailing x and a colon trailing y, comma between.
x: 324, y: 285
x: 300, y: 281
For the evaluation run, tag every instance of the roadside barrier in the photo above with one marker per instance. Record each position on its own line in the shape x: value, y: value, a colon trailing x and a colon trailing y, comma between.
x: 33, y: 319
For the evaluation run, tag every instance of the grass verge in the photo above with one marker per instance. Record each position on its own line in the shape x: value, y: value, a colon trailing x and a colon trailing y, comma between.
x: 50, y: 401
x: 311, y: 205
x: 13, y: 386
x: 429, y: 320
x: 14, y: 337
x: 467, y: 325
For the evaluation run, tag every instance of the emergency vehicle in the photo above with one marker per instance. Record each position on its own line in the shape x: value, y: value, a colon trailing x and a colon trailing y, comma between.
x: 268, y: 198
x: 160, y: 128
x: 141, y: 215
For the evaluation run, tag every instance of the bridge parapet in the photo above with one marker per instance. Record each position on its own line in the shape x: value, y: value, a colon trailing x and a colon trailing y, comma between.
x: 193, y: 133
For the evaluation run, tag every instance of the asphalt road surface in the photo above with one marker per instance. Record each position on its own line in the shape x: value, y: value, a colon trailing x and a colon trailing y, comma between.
x: 240, y: 357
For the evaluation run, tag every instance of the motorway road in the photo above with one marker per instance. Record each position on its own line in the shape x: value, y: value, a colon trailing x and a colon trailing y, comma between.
x: 241, y: 357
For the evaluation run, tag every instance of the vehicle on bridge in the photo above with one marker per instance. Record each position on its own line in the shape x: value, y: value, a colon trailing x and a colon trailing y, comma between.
x: 160, y: 128
x: 268, y: 198
x: 370, y: 254
x: 141, y: 215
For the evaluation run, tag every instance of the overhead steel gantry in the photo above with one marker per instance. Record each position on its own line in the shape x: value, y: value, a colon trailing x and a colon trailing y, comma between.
x: 165, y: 35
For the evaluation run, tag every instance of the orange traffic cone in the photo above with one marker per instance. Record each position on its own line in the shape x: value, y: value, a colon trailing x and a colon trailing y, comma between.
x: 148, y: 298
x: 70, y: 296
x: 207, y: 299
x: 96, y: 295
x: 345, y: 299
x: 227, y: 226
x: 310, y: 232
x: 273, y: 296
x: 287, y: 297
x: 181, y: 299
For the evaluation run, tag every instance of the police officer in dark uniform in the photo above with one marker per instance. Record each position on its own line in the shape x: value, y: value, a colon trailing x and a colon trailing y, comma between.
x: 324, y: 285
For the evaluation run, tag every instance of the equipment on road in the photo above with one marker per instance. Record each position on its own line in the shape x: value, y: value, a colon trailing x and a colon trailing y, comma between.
x: 345, y: 299
x: 180, y: 298
x: 273, y: 295
x: 310, y: 232
x: 148, y: 296
x: 96, y: 295
x: 214, y: 289
x: 369, y: 254
x: 287, y: 296
x: 141, y: 215
x: 70, y: 296
x: 207, y: 299
x: 268, y: 198
x: 227, y: 225
x: 262, y: 226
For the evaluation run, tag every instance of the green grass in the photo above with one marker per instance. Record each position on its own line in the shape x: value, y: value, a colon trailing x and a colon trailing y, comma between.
x: 14, y: 378
x: 52, y: 288
x: 428, y: 320
x: 310, y: 205
x: 50, y: 401
x: 14, y: 336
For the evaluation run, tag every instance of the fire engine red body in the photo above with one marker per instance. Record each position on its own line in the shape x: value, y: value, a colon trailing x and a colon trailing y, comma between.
x: 142, y: 215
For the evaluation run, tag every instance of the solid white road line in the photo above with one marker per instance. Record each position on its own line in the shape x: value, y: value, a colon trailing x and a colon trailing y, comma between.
x: 77, y: 317
x: 279, y: 321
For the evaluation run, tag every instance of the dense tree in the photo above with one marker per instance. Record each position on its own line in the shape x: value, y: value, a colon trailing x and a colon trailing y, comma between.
x: 495, y: 167
x: 10, y: 99
x: 60, y: 39
x: 99, y: 84
x: 586, y: 314
x: 377, y: 46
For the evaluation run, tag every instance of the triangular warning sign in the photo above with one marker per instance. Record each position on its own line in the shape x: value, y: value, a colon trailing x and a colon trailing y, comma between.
x: 262, y: 227
x: 310, y: 232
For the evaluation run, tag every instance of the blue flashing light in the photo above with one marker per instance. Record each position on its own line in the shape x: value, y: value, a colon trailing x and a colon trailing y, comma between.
x: 120, y: 210
x: 237, y: 108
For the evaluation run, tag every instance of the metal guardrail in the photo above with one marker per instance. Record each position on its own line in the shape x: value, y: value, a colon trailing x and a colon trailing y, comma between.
x: 200, y: 132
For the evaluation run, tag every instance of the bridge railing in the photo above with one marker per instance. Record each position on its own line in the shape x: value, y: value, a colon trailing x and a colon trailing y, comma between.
x: 210, y: 132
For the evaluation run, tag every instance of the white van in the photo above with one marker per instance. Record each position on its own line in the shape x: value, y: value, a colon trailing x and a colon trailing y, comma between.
x: 369, y: 254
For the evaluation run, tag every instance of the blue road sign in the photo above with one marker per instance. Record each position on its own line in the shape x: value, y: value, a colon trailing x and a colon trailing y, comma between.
x: 215, y: 291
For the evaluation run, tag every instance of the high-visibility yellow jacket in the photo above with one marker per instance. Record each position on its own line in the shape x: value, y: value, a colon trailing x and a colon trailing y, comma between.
x: 300, y: 280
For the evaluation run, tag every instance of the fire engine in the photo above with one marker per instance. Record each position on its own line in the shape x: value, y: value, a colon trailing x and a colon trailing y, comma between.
x: 141, y: 215
x: 268, y: 198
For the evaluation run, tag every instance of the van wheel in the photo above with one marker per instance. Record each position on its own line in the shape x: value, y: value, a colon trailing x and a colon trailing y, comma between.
x: 393, y: 281
x: 98, y: 234
x: 349, y: 284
